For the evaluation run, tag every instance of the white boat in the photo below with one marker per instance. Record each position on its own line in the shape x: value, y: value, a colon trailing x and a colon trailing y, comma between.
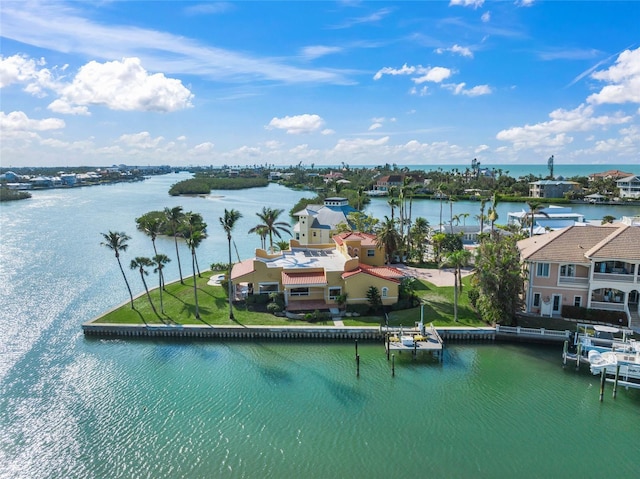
x: 629, y: 364
x: 605, y: 338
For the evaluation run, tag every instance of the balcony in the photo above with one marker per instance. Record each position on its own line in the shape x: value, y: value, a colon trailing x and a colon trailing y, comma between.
x: 620, y: 277
x: 573, y: 280
x: 610, y: 306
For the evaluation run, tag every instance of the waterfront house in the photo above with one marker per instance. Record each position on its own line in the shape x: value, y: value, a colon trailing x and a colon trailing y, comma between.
x: 316, y: 276
x: 546, y: 219
x: 596, y: 267
x: 629, y: 187
x: 609, y: 175
x: 318, y: 223
x: 552, y: 188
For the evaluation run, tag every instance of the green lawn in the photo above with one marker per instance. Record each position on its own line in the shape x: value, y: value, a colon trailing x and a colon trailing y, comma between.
x: 438, y: 309
x: 179, y: 308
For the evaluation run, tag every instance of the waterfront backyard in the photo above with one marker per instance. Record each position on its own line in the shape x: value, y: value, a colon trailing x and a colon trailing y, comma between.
x: 179, y: 308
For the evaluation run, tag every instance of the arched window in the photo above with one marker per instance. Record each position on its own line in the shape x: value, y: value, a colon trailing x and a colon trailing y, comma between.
x: 385, y: 292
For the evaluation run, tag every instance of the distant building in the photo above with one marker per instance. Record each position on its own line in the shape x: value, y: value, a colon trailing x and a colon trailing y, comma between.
x: 609, y: 175
x: 546, y: 219
x: 551, y: 188
x: 318, y: 223
x: 629, y: 186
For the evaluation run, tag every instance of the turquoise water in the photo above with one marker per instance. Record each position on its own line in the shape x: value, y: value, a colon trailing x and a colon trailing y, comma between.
x: 72, y: 407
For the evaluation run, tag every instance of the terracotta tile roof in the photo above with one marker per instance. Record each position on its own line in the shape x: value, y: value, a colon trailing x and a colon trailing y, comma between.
x: 366, y: 239
x: 303, y: 279
x: 385, y: 272
x: 623, y: 244
x: 242, y: 268
x: 568, y: 245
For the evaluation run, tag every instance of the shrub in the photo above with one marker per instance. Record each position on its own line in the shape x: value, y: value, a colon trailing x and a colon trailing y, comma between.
x: 274, y: 308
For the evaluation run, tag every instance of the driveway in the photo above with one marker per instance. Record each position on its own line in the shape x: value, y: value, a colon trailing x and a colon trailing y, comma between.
x: 439, y: 277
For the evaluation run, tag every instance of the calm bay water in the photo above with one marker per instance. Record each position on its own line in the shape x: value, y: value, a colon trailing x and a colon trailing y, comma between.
x: 72, y: 407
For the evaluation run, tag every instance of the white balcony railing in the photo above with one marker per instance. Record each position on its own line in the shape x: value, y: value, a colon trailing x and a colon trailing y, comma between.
x: 607, y: 305
x: 572, y: 280
x: 625, y: 278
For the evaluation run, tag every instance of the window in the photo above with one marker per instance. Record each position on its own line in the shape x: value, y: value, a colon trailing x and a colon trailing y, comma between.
x: 536, y: 300
x: 577, y: 301
x: 371, y: 253
x: 542, y: 270
x: 334, y: 293
x: 385, y: 292
x: 266, y: 288
x: 314, y: 234
x: 568, y: 270
x: 299, y: 292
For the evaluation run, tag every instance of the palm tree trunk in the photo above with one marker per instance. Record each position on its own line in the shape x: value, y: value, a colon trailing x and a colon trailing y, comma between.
x: 155, y: 252
x: 455, y: 295
x: 175, y: 239
x: 230, y: 285
x: 148, y: 295
x: 126, y: 281
x: 160, y: 286
x: 195, y: 287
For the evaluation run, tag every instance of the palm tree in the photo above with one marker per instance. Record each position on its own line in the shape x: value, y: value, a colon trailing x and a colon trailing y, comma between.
x: 194, y: 234
x: 117, y: 242
x: 228, y: 221
x: 608, y: 219
x: 493, y: 213
x: 269, y: 218
x: 282, y: 245
x: 483, y: 204
x: 140, y: 263
x: 159, y: 261
x: 441, y: 191
x: 456, y: 260
x: 174, y: 219
x: 418, y: 236
x: 194, y: 226
x: 535, y: 208
x: 388, y: 237
x: 152, y: 227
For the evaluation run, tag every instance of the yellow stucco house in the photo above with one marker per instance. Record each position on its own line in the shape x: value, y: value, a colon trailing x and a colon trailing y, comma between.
x: 314, y: 276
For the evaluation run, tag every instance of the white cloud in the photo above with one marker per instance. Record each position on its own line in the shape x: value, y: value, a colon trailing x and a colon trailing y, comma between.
x: 208, y: 8
x: 435, y: 75
x: 421, y: 92
x: 61, y: 106
x: 467, y: 3
x: 525, y: 3
x: 317, y: 51
x: 25, y: 70
x: 60, y: 26
x: 425, y: 74
x: 298, y: 124
x: 462, y: 51
x: 405, y: 70
x: 624, y: 79
x: 19, y: 121
x: 359, y: 144
x: 459, y: 89
x: 486, y: 17
x: 273, y: 144
x: 122, y: 85
x: 202, y: 148
x: 181, y: 138
x: 327, y: 131
x: 142, y: 140
x: 554, y: 132
x: 375, y: 126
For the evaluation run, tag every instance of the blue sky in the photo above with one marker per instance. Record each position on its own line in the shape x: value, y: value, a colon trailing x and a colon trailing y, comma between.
x: 364, y: 83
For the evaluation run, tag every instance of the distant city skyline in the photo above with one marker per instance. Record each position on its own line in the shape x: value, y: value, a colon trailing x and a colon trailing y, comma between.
x: 364, y: 83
